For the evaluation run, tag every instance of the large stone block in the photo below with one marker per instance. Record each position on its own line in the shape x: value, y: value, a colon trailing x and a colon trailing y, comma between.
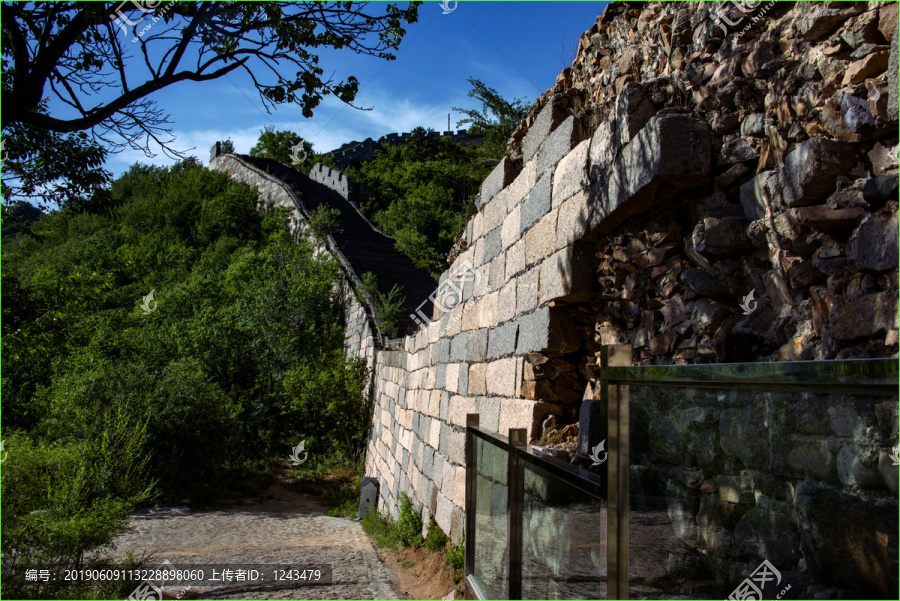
x: 632, y: 111
x: 567, y: 275
x: 476, y: 379
x: 874, y: 244
x: 574, y: 219
x: 500, y: 377
x: 502, y: 340
x: 547, y: 120
x: 506, y: 303
x: 515, y: 260
x: 512, y: 227
x: 502, y: 175
x: 547, y: 330
x: 536, y: 204
x: 527, y: 291
x: 540, y: 240
x: 557, y: 145
x: 670, y: 154
x: 866, y: 316
x: 811, y: 169
x: 571, y: 175
x: 476, y: 345
x: 492, y: 244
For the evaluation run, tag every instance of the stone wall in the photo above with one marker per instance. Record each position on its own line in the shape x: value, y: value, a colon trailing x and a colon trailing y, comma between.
x: 332, y: 178
x: 700, y: 197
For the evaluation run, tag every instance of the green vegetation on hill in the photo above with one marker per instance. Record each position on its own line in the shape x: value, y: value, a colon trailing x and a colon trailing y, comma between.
x: 421, y: 193
x: 113, y: 397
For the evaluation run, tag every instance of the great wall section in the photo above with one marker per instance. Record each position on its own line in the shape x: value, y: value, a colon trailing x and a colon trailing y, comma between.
x: 669, y: 172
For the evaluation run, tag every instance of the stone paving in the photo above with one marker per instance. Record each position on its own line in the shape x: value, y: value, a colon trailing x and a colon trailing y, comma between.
x: 264, y: 534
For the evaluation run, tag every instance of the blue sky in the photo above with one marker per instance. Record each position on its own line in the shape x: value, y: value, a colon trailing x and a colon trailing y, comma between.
x: 515, y: 47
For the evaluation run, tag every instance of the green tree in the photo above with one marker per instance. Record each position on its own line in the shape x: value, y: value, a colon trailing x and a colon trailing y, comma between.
x: 277, y: 145
x: 496, y: 120
x: 73, y: 55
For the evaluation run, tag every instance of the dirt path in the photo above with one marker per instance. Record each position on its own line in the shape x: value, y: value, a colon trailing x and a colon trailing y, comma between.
x: 289, y: 528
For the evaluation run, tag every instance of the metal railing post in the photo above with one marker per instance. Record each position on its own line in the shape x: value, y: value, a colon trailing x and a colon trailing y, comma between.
x: 471, y: 466
x: 518, y: 437
x: 617, y: 515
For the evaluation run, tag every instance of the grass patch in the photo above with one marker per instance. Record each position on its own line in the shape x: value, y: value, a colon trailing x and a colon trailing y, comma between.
x: 435, y: 539
x: 406, y: 531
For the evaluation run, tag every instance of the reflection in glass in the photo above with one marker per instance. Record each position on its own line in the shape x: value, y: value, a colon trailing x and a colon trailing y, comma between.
x: 564, y: 540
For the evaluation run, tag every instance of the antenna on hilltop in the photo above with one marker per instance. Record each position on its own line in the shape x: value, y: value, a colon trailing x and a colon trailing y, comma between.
x: 448, y: 121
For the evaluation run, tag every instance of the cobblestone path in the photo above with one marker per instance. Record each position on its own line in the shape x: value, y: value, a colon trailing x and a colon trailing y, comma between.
x: 271, y: 533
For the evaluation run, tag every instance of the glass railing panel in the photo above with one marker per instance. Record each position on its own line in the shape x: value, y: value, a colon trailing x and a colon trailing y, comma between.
x: 563, y: 539
x: 491, y: 565
x: 736, y: 493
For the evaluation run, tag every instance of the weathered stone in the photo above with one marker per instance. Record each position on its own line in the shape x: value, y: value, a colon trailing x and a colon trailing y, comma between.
x: 826, y: 219
x: 536, y: 203
x: 512, y: 226
x: 734, y: 150
x: 872, y: 65
x: 887, y: 20
x: 810, y: 170
x: 492, y: 244
x: 548, y: 120
x: 866, y: 316
x: 502, y: 176
x: 708, y: 315
x: 502, y: 340
x: 527, y: 291
x: 632, y: 111
x: 547, y: 330
x: 557, y: 145
x: 540, y: 240
x: 571, y: 174
x: 723, y: 237
x: 704, y: 284
x: 754, y: 125
x: 893, y: 73
x: 874, y: 244
x: 821, y: 20
x: 645, y: 174
x: 567, y: 275
x: 804, y: 275
x: 760, y: 195
x: 858, y: 116
x: 879, y: 189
